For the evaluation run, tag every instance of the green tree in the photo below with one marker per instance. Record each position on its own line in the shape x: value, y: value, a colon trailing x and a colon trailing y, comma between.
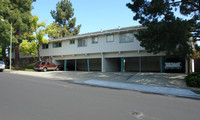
x: 17, y: 13
x: 4, y: 37
x: 170, y: 37
x: 54, y: 30
x: 28, y: 48
x: 64, y: 21
x: 165, y: 31
x: 35, y: 39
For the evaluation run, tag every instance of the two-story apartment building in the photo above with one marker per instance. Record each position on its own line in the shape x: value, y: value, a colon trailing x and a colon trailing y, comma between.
x: 115, y: 50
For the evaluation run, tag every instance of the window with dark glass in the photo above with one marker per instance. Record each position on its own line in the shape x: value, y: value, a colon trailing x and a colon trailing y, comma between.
x: 94, y: 40
x: 82, y: 43
x: 72, y: 42
x: 57, y: 44
x: 45, y: 46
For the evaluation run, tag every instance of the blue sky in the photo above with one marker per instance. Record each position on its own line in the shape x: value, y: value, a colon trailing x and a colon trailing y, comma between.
x: 93, y: 15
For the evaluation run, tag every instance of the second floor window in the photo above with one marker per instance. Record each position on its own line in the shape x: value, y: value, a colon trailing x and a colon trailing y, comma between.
x: 82, y: 43
x: 109, y: 38
x: 45, y: 46
x: 126, y: 37
x: 72, y: 42
x: 57, y: 44
x: 94, y: 40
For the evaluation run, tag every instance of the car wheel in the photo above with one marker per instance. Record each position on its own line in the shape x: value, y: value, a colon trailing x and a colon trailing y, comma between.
x: 44, y: 69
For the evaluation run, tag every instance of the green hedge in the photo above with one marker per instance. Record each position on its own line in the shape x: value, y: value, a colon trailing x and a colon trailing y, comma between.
x: 193, y: 79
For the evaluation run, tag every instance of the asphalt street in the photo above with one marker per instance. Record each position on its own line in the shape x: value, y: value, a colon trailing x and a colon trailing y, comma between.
x: 31, y: 98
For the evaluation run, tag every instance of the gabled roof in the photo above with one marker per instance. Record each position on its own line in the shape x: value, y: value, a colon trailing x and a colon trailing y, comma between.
x: 105, y: 32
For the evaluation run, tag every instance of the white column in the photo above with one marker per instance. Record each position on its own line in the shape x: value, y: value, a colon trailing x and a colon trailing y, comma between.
x: 102, y: 63
x: 192, y: 65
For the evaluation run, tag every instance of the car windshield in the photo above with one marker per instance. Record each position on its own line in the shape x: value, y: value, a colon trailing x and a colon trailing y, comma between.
x: 1, y: 62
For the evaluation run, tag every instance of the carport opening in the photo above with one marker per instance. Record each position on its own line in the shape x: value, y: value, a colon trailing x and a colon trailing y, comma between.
x: 95, y: 64
x: 82, y: 65
x: 132, y: 64
x: 143, y: 64
x: 150, y: 64
x: 70, y: 65
x: 112, y: 64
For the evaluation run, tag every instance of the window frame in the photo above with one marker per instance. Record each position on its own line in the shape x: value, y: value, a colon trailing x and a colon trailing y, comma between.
x: 126, y: 36
x: 95, y: 40
x: 71, y: 42
x: 45, y: 46
x: 108, y: 37
x: 82, y: 44
x: 57, y: 44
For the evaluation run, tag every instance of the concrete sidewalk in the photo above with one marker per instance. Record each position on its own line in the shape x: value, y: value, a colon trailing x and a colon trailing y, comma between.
x: 160, y: 83
x: 180, y: 92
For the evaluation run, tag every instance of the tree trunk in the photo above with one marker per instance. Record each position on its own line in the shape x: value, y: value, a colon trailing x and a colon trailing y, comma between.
x: 4, y: 54
x: 16, y: 61
x: 39, y: 55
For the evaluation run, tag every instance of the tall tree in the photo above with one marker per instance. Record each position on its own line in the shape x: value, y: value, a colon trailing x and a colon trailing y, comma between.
x: 64, y: 20
x: 4, y: 37
x: 166, y: 31
x: 17, y: 13
x: 54, y: 30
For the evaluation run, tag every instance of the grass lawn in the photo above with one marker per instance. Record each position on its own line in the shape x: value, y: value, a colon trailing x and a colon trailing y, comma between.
x: 29, y: 70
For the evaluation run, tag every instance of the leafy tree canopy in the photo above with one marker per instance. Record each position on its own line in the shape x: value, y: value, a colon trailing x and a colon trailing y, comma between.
x: 16, y: 13
x: 166, y: 32
x: 35, y: 39
x: 28, y: 48
x: 65, y: 23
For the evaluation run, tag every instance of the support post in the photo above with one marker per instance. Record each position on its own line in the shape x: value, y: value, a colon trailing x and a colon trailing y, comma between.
x: 122, y: 64
x: 65, y: 65
x: 192, y: 62
x: 102, y: 63
x: 75, y: 65
x: 140, y: 64
x: 161, y: 64
x: 88, y: 64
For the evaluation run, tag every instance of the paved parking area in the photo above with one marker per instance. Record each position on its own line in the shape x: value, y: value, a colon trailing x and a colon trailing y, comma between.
x: 155, y: 79
x: 160, y: 79
x: 159, y: 83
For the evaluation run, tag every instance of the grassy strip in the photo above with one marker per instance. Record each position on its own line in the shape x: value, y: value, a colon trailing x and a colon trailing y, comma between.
x: 197, y: 92
x: 29, y: 70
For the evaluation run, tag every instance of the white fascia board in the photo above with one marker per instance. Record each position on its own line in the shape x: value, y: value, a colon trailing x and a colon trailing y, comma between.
x: 96, y: 34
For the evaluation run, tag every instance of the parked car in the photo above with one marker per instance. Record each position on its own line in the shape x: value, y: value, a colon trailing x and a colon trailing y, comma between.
x: 44, y: 66
x: 61, y: 67
x: 2, y: 66
x: 173, y: 64
x: 69, y: 67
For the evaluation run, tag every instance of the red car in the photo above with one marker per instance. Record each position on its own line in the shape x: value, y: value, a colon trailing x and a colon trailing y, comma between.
x: 44, y: 66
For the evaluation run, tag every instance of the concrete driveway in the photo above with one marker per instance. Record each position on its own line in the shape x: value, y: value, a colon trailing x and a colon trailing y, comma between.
x: 155, y: 79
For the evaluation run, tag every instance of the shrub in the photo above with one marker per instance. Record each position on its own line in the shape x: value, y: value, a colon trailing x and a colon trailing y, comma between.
x: 193, y: 79
x: 30, y: 66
